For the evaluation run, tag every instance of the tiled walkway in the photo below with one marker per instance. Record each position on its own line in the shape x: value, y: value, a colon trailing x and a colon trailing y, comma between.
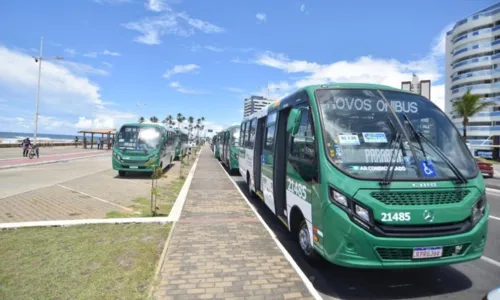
x: 220, y: 250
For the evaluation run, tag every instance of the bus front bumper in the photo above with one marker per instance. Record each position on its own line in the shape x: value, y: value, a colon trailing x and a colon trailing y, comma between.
x: 347, y: 244
x: 129, y: 167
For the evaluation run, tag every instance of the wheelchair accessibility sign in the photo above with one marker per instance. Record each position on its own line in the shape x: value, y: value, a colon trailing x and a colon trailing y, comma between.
x: 427, y: 168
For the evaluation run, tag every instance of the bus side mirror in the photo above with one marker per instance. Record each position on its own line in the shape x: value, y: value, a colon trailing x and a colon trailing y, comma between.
x: 293, y: 123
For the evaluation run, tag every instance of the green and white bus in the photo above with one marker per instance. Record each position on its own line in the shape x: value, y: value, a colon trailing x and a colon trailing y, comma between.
x: 182, y: 147
x: 139, y: 143
x: 217, y: 146
x: 367, y: 176
x: 230, y: 147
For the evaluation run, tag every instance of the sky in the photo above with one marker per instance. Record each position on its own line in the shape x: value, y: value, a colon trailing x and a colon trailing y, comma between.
x: 123, y: 59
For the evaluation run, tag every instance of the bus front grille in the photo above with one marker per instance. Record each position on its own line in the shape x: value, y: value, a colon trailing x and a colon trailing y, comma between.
x: 407, y: 253
x: 420, y: 197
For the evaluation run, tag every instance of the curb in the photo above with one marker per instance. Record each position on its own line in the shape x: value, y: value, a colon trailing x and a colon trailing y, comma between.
x: 49, y: 162
x: 176, y: 210
x: 62, y: 223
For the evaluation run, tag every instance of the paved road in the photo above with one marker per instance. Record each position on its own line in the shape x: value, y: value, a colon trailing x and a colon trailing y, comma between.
x: 78, y: 189
x: 10, y: 153
x: 470, y: 280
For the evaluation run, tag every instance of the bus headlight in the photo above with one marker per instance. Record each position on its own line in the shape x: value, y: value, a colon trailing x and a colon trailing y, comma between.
x: 357, y: 212
x: 117, y: 156
x: 478, y: 209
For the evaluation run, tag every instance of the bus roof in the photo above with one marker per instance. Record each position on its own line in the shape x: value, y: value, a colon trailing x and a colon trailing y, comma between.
x: 148, y: 124
x: 311, y: 88
x: 231, y: 127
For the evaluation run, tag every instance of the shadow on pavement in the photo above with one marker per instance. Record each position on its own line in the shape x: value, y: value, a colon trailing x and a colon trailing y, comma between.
x: 345, y: 283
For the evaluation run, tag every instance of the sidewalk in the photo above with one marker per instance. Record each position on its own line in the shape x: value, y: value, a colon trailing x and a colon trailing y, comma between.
x: 219, y: 249
x: 25, y: 161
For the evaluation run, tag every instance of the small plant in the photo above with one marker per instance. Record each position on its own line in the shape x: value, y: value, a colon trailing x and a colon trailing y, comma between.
x: 155, y: 175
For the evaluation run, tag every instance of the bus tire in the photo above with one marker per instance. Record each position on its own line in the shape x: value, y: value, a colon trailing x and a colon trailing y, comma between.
x: 302, y: 236
x: 122, y: 173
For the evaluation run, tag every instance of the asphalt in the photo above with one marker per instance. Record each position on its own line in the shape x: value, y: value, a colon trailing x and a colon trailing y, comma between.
x: 471, y: 280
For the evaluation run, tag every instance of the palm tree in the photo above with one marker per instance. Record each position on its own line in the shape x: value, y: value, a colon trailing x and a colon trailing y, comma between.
x: 190, y: 121
x: 153, y: 119
x: 168, y: 120
x: 141, y: 120
x: 180, y: 119
x: 467, y: 106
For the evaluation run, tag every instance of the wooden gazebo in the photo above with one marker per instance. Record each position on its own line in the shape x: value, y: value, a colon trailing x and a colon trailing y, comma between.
x: 109, y: 132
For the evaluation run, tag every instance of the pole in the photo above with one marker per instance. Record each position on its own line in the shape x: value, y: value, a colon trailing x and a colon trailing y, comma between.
x: 38, y: 89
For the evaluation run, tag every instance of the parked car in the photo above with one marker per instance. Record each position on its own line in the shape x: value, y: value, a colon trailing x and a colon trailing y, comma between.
x: 485, y: 168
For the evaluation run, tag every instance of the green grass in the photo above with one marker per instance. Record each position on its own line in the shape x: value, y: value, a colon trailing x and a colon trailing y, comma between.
x: 165, y: 200
x: 80, y: 262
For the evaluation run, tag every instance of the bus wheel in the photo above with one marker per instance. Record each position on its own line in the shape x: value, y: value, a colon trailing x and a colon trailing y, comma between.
x: 304, y: 239
x: 121, y: 173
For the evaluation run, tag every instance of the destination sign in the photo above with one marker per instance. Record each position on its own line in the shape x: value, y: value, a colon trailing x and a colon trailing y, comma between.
x: 369, y: 105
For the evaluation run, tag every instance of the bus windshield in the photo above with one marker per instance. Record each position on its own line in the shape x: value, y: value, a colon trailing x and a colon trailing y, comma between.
x: 138, y: 138
x: 360, y: 131
x: 235, y: 136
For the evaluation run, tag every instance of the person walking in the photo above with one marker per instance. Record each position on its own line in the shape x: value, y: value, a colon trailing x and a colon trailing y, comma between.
x: 101, y: 143
x: 76, y: 142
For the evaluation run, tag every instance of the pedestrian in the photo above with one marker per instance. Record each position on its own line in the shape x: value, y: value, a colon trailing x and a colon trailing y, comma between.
x: 25, y: 144
x: 76, y: 142
x: 101, y: 143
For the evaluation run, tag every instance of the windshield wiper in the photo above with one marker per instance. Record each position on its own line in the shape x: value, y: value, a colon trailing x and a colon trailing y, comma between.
x: 419, y: 136
x: 389, y: 173
x: 398, y: 135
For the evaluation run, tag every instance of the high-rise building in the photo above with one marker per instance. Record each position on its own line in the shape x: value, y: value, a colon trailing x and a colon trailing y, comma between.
x: 254, y: 104
x: 473, y: 62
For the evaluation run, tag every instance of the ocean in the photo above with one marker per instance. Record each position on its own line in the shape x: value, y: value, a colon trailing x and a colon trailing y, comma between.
x: 13, y: 137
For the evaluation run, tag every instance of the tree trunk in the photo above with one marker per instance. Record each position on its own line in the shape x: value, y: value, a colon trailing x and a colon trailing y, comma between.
x: 465, y: 122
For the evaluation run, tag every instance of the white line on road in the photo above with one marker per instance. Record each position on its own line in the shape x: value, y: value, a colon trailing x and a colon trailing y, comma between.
x: 47, y: 155
x: 97, y: 198
x: 176, y: 210
x: 493, y: 217
x: 491, y: 261
x: 287, y: 255
x: 161, y: 220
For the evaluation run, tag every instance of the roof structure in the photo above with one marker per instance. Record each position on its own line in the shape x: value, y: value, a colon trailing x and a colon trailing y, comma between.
x: 99, y: 131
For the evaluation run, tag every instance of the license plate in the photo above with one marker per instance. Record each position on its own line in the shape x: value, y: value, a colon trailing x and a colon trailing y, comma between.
x: 134, y: 167
x: 427, y: 252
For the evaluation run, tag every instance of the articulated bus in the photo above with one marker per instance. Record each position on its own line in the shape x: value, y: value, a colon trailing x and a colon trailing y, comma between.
x: 367, y: 176
x: 182, y: 146
x: 230, y: 147
x: 139, y: 143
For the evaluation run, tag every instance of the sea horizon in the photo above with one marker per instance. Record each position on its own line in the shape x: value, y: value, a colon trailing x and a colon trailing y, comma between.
x: 7, y: 137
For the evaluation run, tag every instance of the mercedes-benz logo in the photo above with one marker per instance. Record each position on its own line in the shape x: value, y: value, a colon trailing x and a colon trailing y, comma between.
x: 428, y: 216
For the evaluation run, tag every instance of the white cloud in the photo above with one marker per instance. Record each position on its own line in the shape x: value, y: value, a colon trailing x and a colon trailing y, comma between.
x: 70, y: 52
x: 235, y: 90
x: 303, y: 8
x: 105, y: 52
x: 112, y: 1
x: 180, y: 69
x: 366, y: 69
x: 214, y: 49
x: 170, y: 22
x: 82, y: 69
x: 66, y: 93
x: 155, y: 5
x: 261, y: 17
x: 107, y: 64
x: 439, y: 42
x: 184, y: 90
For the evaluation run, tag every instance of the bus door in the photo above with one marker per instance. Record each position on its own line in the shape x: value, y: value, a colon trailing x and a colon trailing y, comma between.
x: 267, y: 161
x: 257, y: 162
x: 302, y: 168
x: 279, y: 166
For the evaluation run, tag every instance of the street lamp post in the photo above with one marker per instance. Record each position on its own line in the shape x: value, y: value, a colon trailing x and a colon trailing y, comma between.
x: 38, y: 59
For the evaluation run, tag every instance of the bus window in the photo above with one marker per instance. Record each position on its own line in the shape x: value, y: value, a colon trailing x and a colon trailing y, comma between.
x: 244, y: 135
x: 253, y: 131
x: 269, y: 145
x: 302, y: 149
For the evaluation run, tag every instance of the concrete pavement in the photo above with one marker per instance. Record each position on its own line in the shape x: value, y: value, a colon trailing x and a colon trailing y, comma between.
x: 77, y: 189
x: 13, y: 153
x: 219, y: 249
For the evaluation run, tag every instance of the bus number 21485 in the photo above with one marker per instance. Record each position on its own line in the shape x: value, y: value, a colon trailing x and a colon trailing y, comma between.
x: 298, y: 189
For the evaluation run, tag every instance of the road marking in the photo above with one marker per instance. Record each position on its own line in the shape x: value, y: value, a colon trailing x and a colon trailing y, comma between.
x: 491, y: 261
x: 176, y: 210
x: 287, y: 255
x: 47, y: 155
x: 97, y: 198
x: 493, y: 217
x: 493, y: 191
x: 161, y: 220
